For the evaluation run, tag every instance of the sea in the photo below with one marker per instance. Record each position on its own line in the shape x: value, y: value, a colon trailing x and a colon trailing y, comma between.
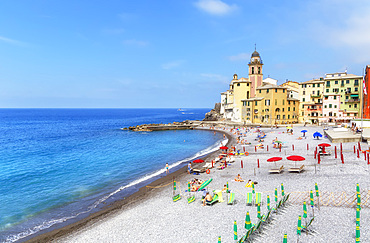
x: 57, y: 166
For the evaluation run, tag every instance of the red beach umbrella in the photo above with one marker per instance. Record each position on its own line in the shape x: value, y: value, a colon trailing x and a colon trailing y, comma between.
x: 295, y: 158
x: 274, y: 159
x: 198, y: 161
x: 224, y: 147
x: 323, y: 145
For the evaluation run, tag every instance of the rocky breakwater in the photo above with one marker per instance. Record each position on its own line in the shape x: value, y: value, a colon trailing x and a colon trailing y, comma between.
x: 214, y: 114
x: 162, y: 127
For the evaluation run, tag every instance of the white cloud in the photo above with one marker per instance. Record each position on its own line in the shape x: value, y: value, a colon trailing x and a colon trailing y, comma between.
x: 135, y: 42
x: 239, y: 57
x: 12, y: 41
x: 215, y: 7
x: 173, y: 64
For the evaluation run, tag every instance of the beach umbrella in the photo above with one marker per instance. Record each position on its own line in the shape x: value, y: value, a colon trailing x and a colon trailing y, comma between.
x: 317, y: 134
x: 198, y: 161
x: 282, y: 190
x: 248, y: 224
x: 274, y: 159
x: 188, y: 186
x: 323, y: 145
x: 259, y: 211
x: 357, y: 188
x: 253, y: 191
x: 227, y: 187
x: 299, y: 226
x: 276, y: 195
x: 235, y: 231
x: 204, y: 184
x: 174, y: 185
x: 304, y: 210
x: 285, y: 239
x: 359, y: 200
x: 219, y: 239
x: 358, y: 216
x: 268, y: 203
x: 223, y: 147
x: 304, y: 132
x: 312, y: 203
x: 278, y: 142
x: 317, y: 195
x: 295, y: 158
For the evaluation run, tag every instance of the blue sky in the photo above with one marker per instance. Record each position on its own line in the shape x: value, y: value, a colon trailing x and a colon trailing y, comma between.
x: 168, y: 53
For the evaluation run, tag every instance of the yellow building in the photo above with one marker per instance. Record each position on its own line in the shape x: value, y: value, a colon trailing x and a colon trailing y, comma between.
x: 310, y: 108
x: 271, y: 105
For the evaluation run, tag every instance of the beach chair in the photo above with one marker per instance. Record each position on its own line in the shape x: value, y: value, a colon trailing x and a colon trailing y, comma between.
x: 249, y: 198
x: 231, y: 200
x: 191, y: 199
x: 258, y: 198
x: 176, y: 198
x: 298, y: 170
x: 277, y: 171
x: 214, y: 200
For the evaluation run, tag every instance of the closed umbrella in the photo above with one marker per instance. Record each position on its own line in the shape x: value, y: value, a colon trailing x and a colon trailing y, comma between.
x: 276, y: 195
x: 235, y: 231
x: 304, y: 210
x: 223, y: 147
x: 253, y: 191
x: 248, y: 224
x: 357, y: 233
x: 285, y: 238
x: 219, y: 239
x: 312, y: 203
x: 268, y: 203
x: 299, y: 226
x: 358, y: 216
x: 204, y: 184
x: 259, y: 211
x: 317, y: 195
x: 282, y: 190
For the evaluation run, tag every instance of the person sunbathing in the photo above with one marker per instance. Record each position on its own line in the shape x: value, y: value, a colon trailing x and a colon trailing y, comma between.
x: 194, y: 188
x: 239, y: 178
x: 207, y: 199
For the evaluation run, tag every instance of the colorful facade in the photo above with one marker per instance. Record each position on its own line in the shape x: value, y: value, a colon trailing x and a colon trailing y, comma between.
x: 366, y: 99
x: 310, y: 93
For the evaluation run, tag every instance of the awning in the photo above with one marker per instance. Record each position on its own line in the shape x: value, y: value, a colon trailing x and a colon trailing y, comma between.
x: 354, y: 95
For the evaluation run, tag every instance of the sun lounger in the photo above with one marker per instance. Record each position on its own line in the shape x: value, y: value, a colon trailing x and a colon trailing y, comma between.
x: 191, y: 199
x: 278, y: 171
x: 207, y: 166
x: 214, y: 200
x: 202, y: 170
x: 297, y: 169
x: 176, y: 198
x: 258, y: 199
x: 231, y: 200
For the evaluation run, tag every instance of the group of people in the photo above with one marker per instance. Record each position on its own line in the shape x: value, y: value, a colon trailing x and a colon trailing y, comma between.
x: 195, y: 184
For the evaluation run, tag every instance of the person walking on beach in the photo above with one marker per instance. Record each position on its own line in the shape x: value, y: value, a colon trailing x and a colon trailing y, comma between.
x: 167, y: 170
x: 190, y: 169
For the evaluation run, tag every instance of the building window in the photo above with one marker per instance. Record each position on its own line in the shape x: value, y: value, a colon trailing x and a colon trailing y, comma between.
x: 288, y: 108
x: 267, y: 102
x: 238, y: 84
x: 255, y: 103
x: 325, y: 106
x: 276, y: 91
x: 328, y: 83
x: 293, y: 102
x: 293, y: 108
x: 283, y: 109
x: 318, y: 85
x: 336, y: 82
x: 259, y: 70
x: 350, y: 106
x: 302, y: 106
x: 356, y: 89
x: 335, y: 97
x: 289, y: 102
x: 313, y: 86
x: 327, y: 90
x: 335, y: 114
x: 259, y: 91
x: 283, y: 117
x: 330, y: 106
x: 288, y: 116
x: 252, y: 70
x: 302, y: 113
x: 335, y: 106
x: 326, y: 97
x: 283, y: 102
x: 304, y: 92
x: 283, y: 90
x: 267, y: 91
x: 303, y: 99
x: 248, y: 103
x: 355, y: 105
x: 347, y: 81
x: 356, y: 81
x: 275, y: 101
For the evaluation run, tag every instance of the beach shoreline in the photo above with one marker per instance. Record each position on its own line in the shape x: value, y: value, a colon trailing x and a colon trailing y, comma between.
x: 143, y: 193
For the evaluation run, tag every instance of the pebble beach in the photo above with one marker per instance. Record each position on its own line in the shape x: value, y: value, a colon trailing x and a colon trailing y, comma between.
x: 154, y: 217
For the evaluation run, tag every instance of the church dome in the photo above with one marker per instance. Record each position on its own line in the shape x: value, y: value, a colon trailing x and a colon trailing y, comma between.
x: 255, y: 54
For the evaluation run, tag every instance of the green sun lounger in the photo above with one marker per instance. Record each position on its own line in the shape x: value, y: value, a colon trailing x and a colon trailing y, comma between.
x: 176, y: 198
x: 249, y: 198
x: 231, y: 200
x: 214, y: 200
x: 191, y: 199
x: 258, y: 199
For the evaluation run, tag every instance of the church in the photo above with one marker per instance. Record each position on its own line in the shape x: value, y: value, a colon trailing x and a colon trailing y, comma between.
x: 254, y: 100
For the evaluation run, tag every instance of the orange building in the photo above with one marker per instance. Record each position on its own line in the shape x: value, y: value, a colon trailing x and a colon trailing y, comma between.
x: 367, y: 95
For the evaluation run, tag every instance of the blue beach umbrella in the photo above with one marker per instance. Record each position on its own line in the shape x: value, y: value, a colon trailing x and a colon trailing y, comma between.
x: 304, y: 132
x: 317, y: 135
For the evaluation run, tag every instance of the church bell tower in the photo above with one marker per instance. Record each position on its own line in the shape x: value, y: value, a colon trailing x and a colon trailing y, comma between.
x: 255, y: 72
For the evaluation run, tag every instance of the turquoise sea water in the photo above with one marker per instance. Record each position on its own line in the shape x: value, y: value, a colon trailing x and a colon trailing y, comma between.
x: 58, y: 165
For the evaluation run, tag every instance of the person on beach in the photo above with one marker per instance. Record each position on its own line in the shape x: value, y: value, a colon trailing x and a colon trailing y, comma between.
x: 190, y: 169
x: 225, y: 189
x: 207, y: 199
x: 239, y: 178
x: 167, y: 171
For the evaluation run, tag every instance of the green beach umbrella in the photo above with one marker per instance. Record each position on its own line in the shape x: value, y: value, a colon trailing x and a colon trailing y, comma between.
x: 276, y: 195
x: 204, y: 184
x: 357, y: 233
x: 357, y: 188
x: 219, y: 239
x: 358, y: 216
x: 268, y: 202
x: 285, y: 239
x: 311, y: 198
x: 299, y: 226
x: 248, y: 224
x: 253, y: 187
x: 304, y: 210
x: 235, y: 231
x: 258, y: 211
x: 174, y: 185
x: 317, y: 190
x: 188, y: 186
x: 282, y: 190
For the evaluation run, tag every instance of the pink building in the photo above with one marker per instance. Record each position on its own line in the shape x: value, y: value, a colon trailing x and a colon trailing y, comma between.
x: 331, y: 108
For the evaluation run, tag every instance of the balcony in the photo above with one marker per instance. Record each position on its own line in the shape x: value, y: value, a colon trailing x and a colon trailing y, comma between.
x: 352, y: 100
x: 229, y: 106
x: 351, y: 92
x: 316, y: 96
